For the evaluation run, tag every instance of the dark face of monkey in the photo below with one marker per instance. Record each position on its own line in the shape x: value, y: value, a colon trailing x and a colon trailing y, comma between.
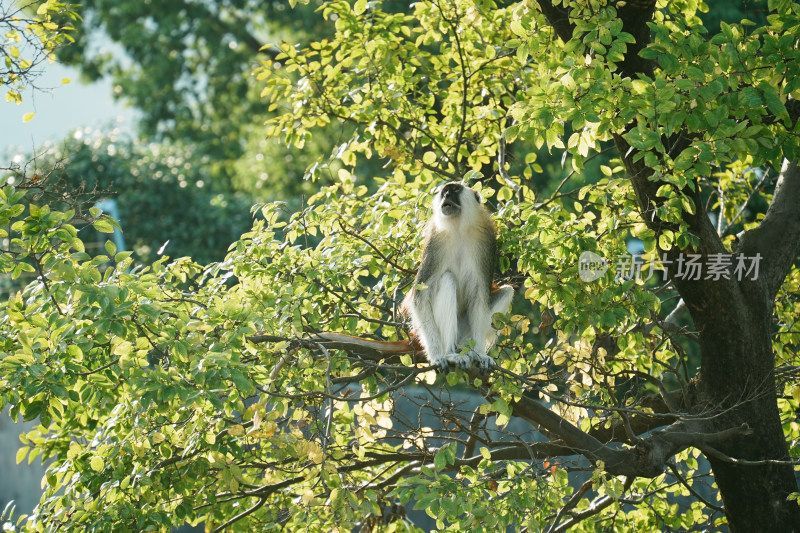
x: 450, y: 199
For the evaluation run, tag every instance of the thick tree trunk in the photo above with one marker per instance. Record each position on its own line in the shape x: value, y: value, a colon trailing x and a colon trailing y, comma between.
x: 737, y: 383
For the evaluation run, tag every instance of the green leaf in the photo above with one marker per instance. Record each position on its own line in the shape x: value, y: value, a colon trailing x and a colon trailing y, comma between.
x: 774, y: 102
x: 664, y: 242
x: 103, y: 225
x: 452, y: 379
x: 687, y: 205
x: 21, y: 453
x: 97, y: 463
x: 440, y: 459
x: 242, y: 383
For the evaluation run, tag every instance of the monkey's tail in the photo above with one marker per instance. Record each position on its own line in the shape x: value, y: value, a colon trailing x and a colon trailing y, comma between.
x: 368, y: 348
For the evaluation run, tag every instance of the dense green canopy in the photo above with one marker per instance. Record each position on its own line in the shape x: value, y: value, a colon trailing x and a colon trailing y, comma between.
x: 646, y: 399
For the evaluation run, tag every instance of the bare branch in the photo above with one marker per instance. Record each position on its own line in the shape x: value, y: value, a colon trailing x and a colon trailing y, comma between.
x: 246, y: 512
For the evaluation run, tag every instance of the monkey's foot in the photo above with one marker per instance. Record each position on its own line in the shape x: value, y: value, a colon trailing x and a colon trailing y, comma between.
x: 482, y: 362
x: 444, y: 362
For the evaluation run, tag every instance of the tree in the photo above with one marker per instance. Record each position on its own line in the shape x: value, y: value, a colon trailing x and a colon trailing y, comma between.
x: 32, y: 32
x: 187, y: 69
x: 188, y: 72
x: 276, y: 389
x: 166, y: 194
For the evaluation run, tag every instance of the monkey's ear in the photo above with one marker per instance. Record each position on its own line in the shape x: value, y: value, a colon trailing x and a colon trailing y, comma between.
x: 477, y: 196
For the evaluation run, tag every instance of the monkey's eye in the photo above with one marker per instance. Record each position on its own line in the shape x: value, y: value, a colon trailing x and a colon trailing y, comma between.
x: 452, y: 188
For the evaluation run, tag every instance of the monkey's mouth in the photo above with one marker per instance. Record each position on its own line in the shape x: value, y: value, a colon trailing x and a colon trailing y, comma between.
x: 449, y: 208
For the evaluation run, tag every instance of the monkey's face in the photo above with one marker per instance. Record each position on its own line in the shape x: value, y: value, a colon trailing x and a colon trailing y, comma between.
x: 453, y: 198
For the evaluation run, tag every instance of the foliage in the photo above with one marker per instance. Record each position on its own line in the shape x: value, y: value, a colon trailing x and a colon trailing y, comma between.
x: 188, y: 68
x: 180, y: 393
x: 165, y: 193
x: 32, y: 32
x: 188, y: 73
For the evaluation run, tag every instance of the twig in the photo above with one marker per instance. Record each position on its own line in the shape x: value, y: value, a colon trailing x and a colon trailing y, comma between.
x: 716, y: 454
x: 573, y: 501
x: 474, y: 422
x: 555, y: 195
x: 374, y: 248
x: 694, y: 493
x: 596, y: 506
x: 243, y: 514
x: 96, y: 370
x: 501, y: 166
x: 739, y: 213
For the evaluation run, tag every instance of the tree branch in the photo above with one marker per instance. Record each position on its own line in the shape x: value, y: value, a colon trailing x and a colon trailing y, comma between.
x: 595, y: 507
x: 694, y: 493
x: 646, y: 458
x: 243, y: 514
x: 777, y: 238
x: 634, y: 14
x: 558, y: 17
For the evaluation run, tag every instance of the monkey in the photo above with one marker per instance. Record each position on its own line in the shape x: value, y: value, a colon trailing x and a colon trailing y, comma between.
x: 453, y: 299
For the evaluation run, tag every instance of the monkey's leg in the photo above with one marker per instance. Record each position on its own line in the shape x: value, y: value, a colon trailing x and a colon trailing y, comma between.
x: 437, y: 322
x: 445, y: 312
x: 500, y: 301
x: 481, y: 324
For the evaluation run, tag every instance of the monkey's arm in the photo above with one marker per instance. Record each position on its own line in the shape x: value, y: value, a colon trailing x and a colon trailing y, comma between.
x: 430, y: 262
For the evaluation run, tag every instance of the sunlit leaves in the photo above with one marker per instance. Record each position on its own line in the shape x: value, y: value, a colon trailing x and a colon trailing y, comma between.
x: 38, y: 32
x: 157, y: 406
x: 408, y: 52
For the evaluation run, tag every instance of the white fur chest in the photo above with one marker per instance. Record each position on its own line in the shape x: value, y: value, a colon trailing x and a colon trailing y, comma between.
x: 461, y: 251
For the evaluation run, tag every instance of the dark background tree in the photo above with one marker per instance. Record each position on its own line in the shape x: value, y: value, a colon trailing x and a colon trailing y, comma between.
x: 164, y: 193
